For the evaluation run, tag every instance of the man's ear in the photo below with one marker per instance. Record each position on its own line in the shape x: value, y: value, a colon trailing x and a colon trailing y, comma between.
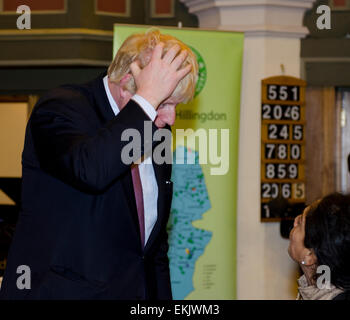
x: 123, y: 92
x: 122, y: 89
x: 310, y: 257
x: 125, y: 79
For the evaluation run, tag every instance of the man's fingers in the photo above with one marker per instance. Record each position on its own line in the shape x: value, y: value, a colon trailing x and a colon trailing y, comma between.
x: 135, y: 68
x: 158, y: 51
x: 171, y: 54
x: 180, y: 59
x: 183, y: 72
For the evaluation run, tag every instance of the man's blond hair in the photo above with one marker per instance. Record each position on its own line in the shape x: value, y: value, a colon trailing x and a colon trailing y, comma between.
x: 140, y: 47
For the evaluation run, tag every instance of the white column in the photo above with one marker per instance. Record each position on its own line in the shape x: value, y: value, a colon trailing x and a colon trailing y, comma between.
x: 273, y: 29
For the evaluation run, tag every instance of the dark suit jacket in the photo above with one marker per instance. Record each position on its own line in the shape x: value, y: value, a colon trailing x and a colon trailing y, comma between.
x: 78, y: 226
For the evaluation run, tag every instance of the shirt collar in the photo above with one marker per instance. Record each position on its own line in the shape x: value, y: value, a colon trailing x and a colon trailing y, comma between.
x: 111, y: 100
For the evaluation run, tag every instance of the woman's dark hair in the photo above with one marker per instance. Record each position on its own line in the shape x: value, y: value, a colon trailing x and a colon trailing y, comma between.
x: 327, y: 232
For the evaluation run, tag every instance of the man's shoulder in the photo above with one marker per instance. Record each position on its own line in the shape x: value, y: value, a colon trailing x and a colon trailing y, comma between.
x: 69, y: 97
x: 70, y: 94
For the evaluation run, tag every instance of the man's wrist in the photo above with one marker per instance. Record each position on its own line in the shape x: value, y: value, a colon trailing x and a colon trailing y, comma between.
x: 146, y: 106
x: 149, y: 98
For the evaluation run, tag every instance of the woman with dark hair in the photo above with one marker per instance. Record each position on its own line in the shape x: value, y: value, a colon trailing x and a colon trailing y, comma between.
x: 320, y: 243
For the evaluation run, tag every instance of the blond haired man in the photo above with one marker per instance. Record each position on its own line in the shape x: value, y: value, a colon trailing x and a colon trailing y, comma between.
x: 92, y: 226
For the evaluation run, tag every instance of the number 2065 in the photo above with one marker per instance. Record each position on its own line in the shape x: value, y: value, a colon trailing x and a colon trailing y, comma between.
x: 284, y: 190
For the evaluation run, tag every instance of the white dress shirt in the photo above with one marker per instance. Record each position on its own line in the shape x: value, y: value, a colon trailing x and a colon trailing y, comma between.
x: 147, y: 176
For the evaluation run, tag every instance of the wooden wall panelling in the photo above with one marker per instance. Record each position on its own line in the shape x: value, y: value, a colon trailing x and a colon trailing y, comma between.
x: 322, y: 142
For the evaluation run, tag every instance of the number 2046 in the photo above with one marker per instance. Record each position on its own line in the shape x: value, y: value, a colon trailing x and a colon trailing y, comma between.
x: 280, y: 112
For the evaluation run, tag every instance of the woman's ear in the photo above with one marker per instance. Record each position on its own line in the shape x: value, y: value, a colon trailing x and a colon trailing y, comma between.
x: 309, y: 258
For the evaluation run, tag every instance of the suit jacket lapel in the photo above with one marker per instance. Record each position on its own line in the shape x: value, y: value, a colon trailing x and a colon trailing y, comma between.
x: 104, y: 109
x: 163, y: 174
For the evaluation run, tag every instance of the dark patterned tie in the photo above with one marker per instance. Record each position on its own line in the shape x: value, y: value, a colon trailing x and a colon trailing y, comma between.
x: 139, y: 200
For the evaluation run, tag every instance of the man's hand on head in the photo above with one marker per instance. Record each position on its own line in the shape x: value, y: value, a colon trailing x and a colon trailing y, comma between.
x: 157, y: 81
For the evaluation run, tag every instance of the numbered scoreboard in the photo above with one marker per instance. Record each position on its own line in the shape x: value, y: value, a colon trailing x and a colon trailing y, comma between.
x: 282, y: 143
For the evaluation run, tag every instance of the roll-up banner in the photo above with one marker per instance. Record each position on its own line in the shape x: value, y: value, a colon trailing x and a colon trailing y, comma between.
x: 202, y: 224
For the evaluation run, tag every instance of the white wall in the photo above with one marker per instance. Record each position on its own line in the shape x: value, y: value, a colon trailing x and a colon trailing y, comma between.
x: 264, y: 269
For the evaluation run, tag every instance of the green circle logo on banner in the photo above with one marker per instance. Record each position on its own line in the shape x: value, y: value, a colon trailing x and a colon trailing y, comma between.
x: 202, y: 72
